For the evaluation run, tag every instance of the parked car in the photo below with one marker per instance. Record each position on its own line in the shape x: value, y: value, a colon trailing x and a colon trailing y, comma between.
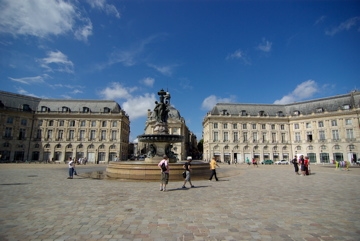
x: 267, y: 162
x: 282, y: 162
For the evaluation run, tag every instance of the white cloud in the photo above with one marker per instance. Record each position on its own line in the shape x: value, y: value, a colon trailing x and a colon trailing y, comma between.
x: 303, y: 91
x: 238, y: 54
x: 134, y: 106
x: 320, y: 20
x: 117, y: 91
x: 83, y: 32
x: 264, y: 46
x: 59, y: 59
x: 102, y: 5
x: 210, y: 101
x: 137, y: 107
x: 130, y: 56
x: 347, y: 25
x: 25, y: 92
x: 30, y: 80
x: 165, y: 70
x: 148, y: 81
x: 41, y: 18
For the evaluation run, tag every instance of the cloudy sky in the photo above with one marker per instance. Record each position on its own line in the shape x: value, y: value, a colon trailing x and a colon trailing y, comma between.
x: 202, y: 52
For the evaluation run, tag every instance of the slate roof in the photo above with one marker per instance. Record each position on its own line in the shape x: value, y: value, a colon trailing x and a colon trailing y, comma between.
x: 77, y: 105
x: 329, y: 104
x: 16, y: 101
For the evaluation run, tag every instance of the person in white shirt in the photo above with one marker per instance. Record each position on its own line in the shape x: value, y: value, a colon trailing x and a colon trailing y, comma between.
x: 164, y: 173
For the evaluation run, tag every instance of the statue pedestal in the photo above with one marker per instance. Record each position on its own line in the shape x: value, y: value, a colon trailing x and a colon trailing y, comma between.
x: 161, y: 128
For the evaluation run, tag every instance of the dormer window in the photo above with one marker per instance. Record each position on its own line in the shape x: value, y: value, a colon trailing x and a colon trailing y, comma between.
x: 224, y: 112
x: 86, y: 109
x: 26, y: 107
x: 320, y: 110
x: 106, y: 110
x: 45, y: 109
x: 296, y: 113
x: 261, y: 113
x: 243, y: 113
x: 346, y: 107
x: 280, y: 113
x: 65, y: 109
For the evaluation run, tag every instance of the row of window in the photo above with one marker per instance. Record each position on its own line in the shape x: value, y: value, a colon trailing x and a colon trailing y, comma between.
x: 66, y: 109
x: 334, y: 133
x: 72, y: 123
x: 321, y: 124
x: 264, y: 136
x: 82, y: 123
x: 10, y: 120
x: 60, y: 134
x: 245, y: 137
x: 280, y: 113
x: 58, y: 146
x: 245, y: 126
x: 273, y: 126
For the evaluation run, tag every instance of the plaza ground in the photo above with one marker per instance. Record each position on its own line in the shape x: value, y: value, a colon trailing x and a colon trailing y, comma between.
x: 247, y: 203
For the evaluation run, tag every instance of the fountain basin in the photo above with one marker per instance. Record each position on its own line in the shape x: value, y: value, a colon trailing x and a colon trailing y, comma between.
x: 149, y: 138
x: 139, y: 170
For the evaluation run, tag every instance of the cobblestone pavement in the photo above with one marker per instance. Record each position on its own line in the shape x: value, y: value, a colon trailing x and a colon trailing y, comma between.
x: 37, y: 202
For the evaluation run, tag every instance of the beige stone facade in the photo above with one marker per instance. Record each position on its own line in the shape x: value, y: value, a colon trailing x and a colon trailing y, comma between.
x: 35, y: 129
x: 324, y: 129
x: 176, y: 126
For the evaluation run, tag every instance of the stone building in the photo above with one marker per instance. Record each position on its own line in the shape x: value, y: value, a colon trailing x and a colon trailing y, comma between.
x: 35, y: 129
x: 324, y: 129
x: 176, y: 126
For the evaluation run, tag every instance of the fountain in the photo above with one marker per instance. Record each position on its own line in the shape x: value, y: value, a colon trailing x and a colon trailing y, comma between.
x: 160, y: 143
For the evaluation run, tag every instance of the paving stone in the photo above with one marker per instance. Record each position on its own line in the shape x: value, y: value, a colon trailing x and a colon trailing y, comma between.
x: 37, y: 202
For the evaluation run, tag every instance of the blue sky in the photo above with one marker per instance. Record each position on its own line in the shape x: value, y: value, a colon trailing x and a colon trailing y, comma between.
x: 202, y: 52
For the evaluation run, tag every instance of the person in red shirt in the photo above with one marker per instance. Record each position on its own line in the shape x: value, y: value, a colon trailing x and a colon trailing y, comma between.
x: 306, y: 164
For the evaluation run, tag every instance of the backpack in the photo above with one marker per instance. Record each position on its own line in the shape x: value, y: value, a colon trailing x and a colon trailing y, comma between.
x: 163, y: 167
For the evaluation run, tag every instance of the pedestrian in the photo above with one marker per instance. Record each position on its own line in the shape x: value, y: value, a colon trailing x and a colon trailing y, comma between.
x: 164, y: 167
x: 71, y: 169
x: 306, y: 163
x: 254, y: 162
x: 213, y: 165
x: 296, y: 165
x: 187, y: 167
x: 247, y: 161
x: 302, y: 165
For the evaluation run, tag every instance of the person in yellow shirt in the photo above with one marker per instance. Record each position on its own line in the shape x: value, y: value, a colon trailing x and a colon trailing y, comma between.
x: 213, y: 165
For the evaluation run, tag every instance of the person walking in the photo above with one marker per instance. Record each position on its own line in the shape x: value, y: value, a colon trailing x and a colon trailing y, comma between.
x: 302, y: 165
x: 296, y: 165
x: 254, y: 162
x: 247, y: 161
x: 164, y: 166
x: 213, y: 165
x: 187, y: 167
x: 71, y: 169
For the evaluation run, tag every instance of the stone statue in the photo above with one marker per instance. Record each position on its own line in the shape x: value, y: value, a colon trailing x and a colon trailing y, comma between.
x: 152, y: 151
x: 169, y: 152
x: 161, y: 109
